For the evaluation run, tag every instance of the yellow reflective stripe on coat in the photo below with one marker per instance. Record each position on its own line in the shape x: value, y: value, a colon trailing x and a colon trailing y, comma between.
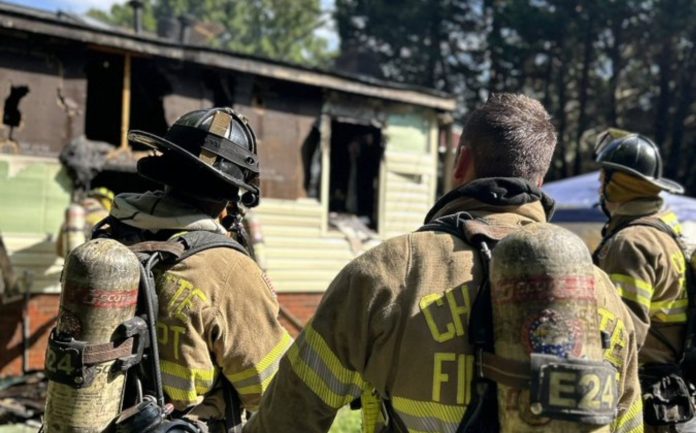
x: 671, y: 220
x: 631, y: 421
x: 255, y: 380
x: 186, y: 384
x: 428, y: 416
x: 671, y: 311
x: 320, y: 369
x: 633, y: 289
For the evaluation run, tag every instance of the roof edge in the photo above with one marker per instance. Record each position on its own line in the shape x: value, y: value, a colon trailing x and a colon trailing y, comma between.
x: 29, y: 20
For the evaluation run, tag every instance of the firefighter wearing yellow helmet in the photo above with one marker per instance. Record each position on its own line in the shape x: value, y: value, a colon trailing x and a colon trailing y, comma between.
x: 643, y: 253
x: 407, y: 326
x: 80, y: 219
x: 218, y: 333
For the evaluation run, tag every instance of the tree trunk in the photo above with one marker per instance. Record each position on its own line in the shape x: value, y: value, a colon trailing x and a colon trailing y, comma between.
x: 665, y: 62
x: 583, y: 89
x: 685, y: 99
x: 495, y: 41
x: 433, y: 49
x: 548, y: 77
x: 616, y: 68
x: 561, y: 111
x: 664, y: 101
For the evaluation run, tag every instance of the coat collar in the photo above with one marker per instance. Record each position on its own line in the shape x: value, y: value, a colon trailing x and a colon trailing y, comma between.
x: 487, y: 196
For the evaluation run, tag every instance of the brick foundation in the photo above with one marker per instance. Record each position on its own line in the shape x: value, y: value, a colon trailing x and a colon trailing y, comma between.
x: 301, y: 306
x: 43, y: 310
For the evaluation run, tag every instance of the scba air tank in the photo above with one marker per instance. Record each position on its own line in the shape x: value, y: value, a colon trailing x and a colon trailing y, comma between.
x: 99, y: 293
x: 545, y: 317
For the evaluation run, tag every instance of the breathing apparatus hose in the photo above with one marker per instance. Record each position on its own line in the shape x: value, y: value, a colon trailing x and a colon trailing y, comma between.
x: 147, y: 278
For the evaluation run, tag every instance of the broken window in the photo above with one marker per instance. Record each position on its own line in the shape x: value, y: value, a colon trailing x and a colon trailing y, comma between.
x: 104, y: 95
x: 11, y: 116
x: 149, y: 86
x: 311, y: 162
x: 356, y: 153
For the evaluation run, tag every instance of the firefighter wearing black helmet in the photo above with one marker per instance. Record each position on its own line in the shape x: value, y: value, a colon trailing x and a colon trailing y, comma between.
x: 643, y: 254
x: 219, y: 338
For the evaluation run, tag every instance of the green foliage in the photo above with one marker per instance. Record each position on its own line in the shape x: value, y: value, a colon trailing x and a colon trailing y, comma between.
x: 277, y: 29
x: 593, y: 63
x: 347, y: 421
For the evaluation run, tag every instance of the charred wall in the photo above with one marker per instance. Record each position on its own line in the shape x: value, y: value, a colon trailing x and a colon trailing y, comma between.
x: 42, y: 93
x: 285, y: 117
x: 60, y: 90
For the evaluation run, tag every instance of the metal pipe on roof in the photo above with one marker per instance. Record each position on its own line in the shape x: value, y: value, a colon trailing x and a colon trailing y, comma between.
x: 185, y: 22
x: 137, y: 6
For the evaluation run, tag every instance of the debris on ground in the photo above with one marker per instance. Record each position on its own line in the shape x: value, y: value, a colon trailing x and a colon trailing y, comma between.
x: 22, y: 399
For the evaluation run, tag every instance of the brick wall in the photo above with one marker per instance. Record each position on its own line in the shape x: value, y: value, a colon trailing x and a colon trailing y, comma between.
x: 300, y: 306
x: 42, y: 310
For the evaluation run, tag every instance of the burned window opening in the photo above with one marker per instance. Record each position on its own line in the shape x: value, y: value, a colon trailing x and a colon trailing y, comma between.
x: 223, y: 88
x: 11, y: 116
x: 311, y: 162
x: 356, y: 153
x: 104, y: 95
x: 149, y: 86
x: 257, y: 95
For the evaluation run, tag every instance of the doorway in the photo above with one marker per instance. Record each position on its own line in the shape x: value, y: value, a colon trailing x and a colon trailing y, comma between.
x: 356, y: 154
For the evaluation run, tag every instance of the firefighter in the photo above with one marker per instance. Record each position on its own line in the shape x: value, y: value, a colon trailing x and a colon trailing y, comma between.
x: 394, y: 327
x: 80, y: 219
x: 218, y: 333
x: 642, y: 254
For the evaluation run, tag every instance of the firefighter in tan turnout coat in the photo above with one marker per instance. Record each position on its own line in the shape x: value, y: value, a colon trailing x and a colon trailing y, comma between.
x: 641, y: 253
x: 217, y: 323
x: 392, y: 327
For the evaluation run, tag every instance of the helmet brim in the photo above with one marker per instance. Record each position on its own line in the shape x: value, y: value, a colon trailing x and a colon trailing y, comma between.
x: 158, y: 172
x: 663, y: 183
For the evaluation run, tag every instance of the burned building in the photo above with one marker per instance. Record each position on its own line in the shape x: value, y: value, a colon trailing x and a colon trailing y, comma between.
x: 345, y: 160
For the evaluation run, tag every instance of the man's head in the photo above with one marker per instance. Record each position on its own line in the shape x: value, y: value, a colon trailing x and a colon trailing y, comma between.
x: 207, y: 155
x: 631, y: 168
x: 509, y: 136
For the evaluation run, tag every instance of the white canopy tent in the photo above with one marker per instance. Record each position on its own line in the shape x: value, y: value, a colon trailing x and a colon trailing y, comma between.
x: 577, y: 207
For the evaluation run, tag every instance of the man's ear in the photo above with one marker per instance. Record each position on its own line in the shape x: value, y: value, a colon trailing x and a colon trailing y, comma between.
x: 463, y: 171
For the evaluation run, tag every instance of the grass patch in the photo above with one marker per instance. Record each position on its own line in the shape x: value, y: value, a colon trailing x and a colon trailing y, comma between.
x: 347, y: 421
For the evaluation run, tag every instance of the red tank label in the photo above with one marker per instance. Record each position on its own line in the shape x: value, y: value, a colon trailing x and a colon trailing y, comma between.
x: 577, y: 287
x: 104, y: 298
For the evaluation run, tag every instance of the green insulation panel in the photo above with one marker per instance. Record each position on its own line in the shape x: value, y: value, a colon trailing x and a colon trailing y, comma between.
x: 33, y: 196
x: 408, y: 132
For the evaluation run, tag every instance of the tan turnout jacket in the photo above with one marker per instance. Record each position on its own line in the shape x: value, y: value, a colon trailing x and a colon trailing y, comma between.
x: 217, y: 315
x: 395, y: 320
x: 648, y: 269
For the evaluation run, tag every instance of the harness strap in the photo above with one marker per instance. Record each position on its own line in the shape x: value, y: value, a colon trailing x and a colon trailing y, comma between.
x: 508, y: 372
x: 170, y: 252
x: 479, y: 234
x: 176, y: 249
x: 103, y: 352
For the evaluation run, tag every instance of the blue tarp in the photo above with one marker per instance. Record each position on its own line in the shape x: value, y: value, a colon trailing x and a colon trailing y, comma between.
x: 577, y: 198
